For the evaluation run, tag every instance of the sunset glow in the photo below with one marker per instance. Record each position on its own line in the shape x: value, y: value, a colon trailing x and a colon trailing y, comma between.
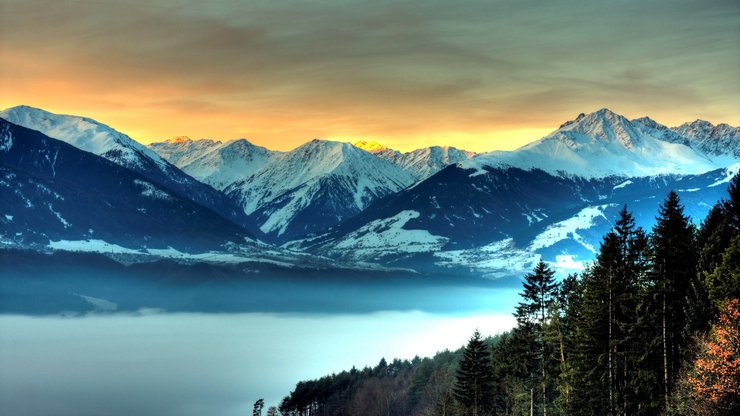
x: 493, y: 75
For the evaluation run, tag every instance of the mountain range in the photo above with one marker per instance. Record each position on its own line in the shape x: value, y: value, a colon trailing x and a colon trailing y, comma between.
x: 436, y: 209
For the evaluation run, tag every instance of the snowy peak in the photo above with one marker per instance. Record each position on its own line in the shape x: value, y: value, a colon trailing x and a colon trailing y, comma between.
x: 372, y: 146
x: 719, y: 140
x: 604, y: 125
x: 86, y: 134
x: 315, y: 186
x: 648, y: 126
x: 182, y: 150
x: 420, y: 163
x: 425, y: 162
x: 97, y: 138
x: 226, y: 163
x: 602, y: 144
x: 324, y: 157
x: 55, y: 191
x: 179, y: 140
x: 696, y: 128
x: 216, y: 163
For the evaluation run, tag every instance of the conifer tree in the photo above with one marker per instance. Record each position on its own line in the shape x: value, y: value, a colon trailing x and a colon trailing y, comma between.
x: 674, y: 263
x: 606, y: 334
x: 732, y: 204
x: 474, y: 386
x: 561, y: 332
x: 724, y: 281
x: 258, y: 405
x: 540, y: 290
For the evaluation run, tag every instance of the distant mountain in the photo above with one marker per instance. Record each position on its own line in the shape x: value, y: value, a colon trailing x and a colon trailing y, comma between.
x: 648, y: 126
x: 51, y: 191
x: 97, y: 138
x: 315, y: 186
x: 183, y: 150
x: 502, y: 220
x: 213, y: 162
x: 421, y: 163
x: 433, y: 209
x: 603, y: 144
x: 712, y: 140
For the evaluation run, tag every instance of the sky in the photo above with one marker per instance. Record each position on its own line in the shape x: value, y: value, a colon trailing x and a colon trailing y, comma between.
x: 479, y: 75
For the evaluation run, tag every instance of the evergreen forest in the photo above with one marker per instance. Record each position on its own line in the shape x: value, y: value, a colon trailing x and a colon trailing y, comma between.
x: 651, y: 327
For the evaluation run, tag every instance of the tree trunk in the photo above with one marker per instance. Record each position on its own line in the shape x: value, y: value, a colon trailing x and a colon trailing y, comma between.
x: 609, y: 350
x: 665, y: 355
x: 542, y: 351
x: 563, y: 366
x: 531, y: 402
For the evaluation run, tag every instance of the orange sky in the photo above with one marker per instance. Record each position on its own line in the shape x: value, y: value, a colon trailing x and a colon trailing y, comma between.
x: 479, y: 76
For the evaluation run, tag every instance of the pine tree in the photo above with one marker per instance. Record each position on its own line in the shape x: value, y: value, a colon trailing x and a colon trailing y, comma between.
x: 724, y: 281
x: 590, y: 394
x: 561, y: 332
x: 605, y: 356
x: 674, y: 264
x: 732, y: 205
x: 258, y: 405
x: 474, y: 386
x: 540, y: 290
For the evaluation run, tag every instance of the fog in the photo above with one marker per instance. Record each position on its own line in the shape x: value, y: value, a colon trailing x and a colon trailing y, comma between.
x: 206, y: 364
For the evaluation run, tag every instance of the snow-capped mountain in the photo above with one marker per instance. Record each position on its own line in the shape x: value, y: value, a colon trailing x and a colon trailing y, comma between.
x: 97, y: 138
x: 719, y: 140
x: 504, y: 221
x: 91, y: 136
x: 182, y: 149
x: 603, y: 144
x: 314, y: 187
x: 51, y: 192
x: 213, y: 162
x: 421, y: 163
x: 648, y: 126
x: 432, y: 209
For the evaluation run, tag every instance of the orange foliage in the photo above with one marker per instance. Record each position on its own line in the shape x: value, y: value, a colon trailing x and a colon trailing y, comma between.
x: 717, y: 369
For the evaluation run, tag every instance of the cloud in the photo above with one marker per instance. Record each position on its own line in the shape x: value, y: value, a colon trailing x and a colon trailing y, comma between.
x: 409, y: 71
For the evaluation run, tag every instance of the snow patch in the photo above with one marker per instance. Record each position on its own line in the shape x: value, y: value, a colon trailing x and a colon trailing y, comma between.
x: 623, y: 184
x: 566, y: 263
x: 498, y: 259
x: 730, y: 173
x: 568, y: 229
x: 387, y: 236
x: 101, y: 246
x: 61, y: 219
x: 6, y: 138
x: 100, y: 304
x: 152, y: 191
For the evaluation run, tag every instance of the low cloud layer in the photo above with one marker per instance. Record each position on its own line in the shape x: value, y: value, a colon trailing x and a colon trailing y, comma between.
x: 193, y: 364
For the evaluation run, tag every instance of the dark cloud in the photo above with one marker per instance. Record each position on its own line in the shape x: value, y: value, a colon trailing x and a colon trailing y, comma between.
x: 378, y: 61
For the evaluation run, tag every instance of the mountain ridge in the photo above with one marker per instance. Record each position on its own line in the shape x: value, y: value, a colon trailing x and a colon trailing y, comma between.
x: 97, y: 138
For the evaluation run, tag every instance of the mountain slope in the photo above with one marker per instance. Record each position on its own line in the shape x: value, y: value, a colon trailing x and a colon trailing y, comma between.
x: 506, y: 219
x: 603, y: 144
x: 183, y: 150
x: 97, y: 138
x: 52, y: 191
x: 719, y: 140
x: 421, y: 163
x: 314, y: 187
x: 213, y: 162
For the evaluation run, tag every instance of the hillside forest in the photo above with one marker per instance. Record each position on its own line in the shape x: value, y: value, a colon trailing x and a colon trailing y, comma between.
x: 651, y: 327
